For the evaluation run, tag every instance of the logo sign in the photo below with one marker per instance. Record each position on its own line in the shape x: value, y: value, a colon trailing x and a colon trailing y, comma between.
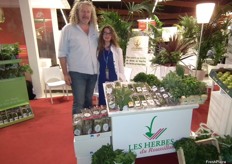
x: 150, y: 135
x: 154, y: 143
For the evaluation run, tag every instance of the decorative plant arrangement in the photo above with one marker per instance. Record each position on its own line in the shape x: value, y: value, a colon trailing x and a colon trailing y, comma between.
x: 107, y: 155
x: 170, y: 53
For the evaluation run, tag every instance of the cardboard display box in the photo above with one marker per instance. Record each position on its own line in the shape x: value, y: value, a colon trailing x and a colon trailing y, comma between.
x: 86, y: 145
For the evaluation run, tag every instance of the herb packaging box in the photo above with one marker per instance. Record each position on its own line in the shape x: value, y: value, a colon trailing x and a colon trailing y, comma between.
x: 86, y: 145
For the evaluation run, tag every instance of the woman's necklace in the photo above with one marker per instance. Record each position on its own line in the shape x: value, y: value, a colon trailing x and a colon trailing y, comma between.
x: 106, y: 57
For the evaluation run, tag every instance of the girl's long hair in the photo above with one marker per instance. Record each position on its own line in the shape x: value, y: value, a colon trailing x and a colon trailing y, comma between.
x: 113, y: 41
x: 74, y: 18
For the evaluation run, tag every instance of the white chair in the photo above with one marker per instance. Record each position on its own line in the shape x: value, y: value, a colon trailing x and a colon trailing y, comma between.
x: 127, y: 72
x: 53, y: 78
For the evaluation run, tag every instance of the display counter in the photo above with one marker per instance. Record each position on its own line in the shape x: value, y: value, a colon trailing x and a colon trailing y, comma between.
x: 151, y: 131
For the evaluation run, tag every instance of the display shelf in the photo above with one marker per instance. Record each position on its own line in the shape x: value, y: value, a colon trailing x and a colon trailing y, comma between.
x: 14, y: 101
x: 14, y: 61
x: 30, y: 116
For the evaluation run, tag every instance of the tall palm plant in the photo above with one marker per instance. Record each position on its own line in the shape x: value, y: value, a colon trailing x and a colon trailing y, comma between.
x: 122, y: 28
x: 216, y: 35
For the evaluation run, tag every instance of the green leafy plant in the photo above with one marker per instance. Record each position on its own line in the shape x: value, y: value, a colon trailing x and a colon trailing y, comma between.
x: 215, y: 35
x: 122, y: 27
x: 197, y: 153
x: 122, y: 96
x: 225, y: 144
x: 12, y: 69
x: 106, y: 155
x: 183, y: 86
x: 170, y: 53
x: 150, y: 79
x: 9, y: 51
x: 189, y: 147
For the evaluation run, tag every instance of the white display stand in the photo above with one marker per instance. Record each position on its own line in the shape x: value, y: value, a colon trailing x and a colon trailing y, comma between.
x: 220, y: 113
x: 86, y: 145
x: 130, y: 129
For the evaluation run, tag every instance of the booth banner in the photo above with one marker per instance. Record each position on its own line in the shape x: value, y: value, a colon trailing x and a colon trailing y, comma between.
x: 137, y: 54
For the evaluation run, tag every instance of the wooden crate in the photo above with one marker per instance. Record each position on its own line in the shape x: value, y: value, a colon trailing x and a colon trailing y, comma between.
x: 213, y: 141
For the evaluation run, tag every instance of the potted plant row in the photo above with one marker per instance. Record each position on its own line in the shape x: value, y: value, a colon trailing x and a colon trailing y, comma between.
x: 184, y: 89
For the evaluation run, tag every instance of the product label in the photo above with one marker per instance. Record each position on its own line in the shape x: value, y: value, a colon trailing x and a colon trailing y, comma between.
x: 97, y: 128
x: 105, y: 127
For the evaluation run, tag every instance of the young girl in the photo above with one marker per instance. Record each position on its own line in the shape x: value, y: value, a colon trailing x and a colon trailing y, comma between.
x: 110, y: 58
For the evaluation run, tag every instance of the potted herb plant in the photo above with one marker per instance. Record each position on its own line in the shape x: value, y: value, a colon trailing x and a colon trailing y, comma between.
x: 186, y: 89
x: 122, y: 97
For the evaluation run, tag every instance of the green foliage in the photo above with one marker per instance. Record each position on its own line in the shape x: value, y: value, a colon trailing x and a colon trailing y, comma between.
x: 173, y: 84
x: 140, y: 77
x: 124, y: 157
x: 188, y: 27
x: 25, y: 68
x: 171, y: 52
x: 13, y: 69
x: 106, y: 155
x: 192, y: 86
x: 150, y: 79
x: 9, y: 51
x: 122, y: 27
x: 183, y: 86
x: 138, y: 8
x: 122, y: 96
x: 225, y: 144
x: 215, y: 35
x: 189, y: 147
x: 196, y: 153
x: 180, y: 70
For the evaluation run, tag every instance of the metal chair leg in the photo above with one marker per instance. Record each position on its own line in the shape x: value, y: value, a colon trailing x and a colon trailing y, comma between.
x: 51, y: 95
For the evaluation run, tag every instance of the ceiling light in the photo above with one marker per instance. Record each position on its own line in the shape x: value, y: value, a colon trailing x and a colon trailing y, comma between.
x: 106, y: 0
x: 58, y: 4
x: 204, y: 12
